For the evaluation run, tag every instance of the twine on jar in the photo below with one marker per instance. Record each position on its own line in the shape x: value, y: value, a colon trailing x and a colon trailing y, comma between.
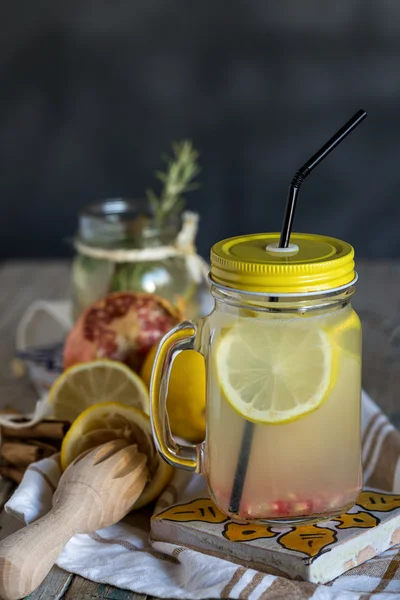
x: 184, y: 247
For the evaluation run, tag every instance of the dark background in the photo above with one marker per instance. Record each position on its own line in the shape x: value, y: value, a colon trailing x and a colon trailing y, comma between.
x: 92, y: 91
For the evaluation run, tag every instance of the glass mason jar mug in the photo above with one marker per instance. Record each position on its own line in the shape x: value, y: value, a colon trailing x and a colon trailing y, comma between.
x: 283, y: 364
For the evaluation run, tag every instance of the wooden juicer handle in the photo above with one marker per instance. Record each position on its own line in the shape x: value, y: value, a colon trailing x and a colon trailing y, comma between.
x: 96, y: 490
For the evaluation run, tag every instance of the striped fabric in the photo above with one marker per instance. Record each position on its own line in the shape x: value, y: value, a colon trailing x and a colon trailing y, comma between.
x: 121, y: 555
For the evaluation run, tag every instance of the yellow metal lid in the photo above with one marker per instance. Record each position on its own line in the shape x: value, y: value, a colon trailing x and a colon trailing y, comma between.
x: 252, y: 263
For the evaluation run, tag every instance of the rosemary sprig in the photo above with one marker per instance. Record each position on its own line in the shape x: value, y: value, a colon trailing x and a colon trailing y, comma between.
x: 182, y: 169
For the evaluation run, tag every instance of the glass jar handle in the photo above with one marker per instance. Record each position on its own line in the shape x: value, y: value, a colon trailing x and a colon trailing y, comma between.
x: 183, y: 456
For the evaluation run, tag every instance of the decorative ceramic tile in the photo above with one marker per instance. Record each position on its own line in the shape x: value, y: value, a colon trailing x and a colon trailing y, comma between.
x: 316, y: 553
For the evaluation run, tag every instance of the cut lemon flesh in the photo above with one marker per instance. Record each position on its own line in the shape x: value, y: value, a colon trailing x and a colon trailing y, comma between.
x: 102, y: 423
x: 94, y: 382
x: 275, y: 372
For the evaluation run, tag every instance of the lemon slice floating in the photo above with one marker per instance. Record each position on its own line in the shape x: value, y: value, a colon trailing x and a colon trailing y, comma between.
x: 277, y: 372
x: 102, y: 423
x: 93, y: 382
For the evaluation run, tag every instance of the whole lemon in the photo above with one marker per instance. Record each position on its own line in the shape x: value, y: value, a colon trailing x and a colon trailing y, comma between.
x: 186, y: 401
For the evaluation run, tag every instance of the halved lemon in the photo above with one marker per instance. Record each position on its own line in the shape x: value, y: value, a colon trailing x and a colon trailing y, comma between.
x: 275, y: 372
x: 94, y: 382
x: 102, y: 423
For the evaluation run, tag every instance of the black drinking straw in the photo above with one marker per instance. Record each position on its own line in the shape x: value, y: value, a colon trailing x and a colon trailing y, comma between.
x: 301, y: 174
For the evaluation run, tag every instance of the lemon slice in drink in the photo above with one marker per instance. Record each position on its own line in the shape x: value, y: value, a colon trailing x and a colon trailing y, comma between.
x: 277, y: 372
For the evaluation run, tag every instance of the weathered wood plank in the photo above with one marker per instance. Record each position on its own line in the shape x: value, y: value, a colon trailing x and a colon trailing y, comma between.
x: 53, y: 587
x: 87, y: 590
x: 6, y: 489
x: 112, y: 593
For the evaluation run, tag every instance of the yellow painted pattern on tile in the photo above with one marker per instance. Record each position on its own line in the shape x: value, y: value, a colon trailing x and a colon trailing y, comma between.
x: 362, y: 520
x: 309, y: 539
x: 236, y: 532
x: 378, y: 501
x: 202, y: 509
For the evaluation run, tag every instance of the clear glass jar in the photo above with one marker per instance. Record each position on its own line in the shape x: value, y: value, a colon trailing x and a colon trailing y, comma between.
x: 283, y: 441
x: 119, y: 248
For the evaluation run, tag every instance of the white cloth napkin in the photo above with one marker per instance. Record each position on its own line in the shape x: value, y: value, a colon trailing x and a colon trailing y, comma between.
x: 122, y: 556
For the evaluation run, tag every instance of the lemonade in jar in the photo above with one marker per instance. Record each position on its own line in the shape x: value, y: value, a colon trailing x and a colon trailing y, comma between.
x: 283, y: 362
x: 292, y: 369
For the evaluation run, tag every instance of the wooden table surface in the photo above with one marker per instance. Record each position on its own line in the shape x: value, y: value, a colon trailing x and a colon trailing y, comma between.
x: 377, y: 302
